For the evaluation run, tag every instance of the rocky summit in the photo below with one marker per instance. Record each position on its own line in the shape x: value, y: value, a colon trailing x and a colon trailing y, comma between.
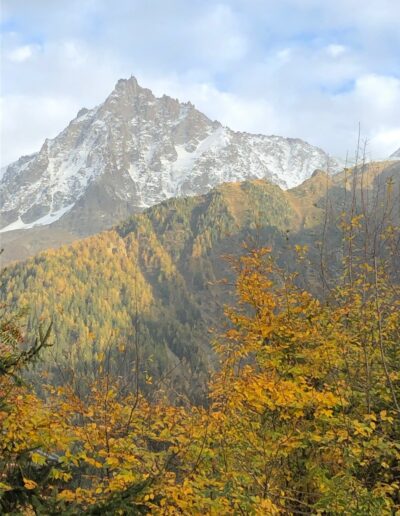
x: 133, y: 151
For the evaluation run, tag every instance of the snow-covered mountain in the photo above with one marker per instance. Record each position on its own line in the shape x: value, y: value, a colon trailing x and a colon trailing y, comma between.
x: 135, y: 150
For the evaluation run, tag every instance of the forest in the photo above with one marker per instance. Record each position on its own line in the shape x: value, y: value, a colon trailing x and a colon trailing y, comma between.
x: 234, y: 353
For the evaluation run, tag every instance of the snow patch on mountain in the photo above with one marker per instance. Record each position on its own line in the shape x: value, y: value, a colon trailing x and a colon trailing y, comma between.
x: 141, y: 150
x: 42, y: 221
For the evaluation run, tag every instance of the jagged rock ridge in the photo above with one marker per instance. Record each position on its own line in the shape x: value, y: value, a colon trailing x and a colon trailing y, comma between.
x: 133, y: 151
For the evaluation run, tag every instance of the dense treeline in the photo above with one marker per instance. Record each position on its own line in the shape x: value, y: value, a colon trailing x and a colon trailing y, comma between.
x: 148, y: 283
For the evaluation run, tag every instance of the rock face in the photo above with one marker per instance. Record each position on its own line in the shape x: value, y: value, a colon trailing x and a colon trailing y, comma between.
x: 133, y: 151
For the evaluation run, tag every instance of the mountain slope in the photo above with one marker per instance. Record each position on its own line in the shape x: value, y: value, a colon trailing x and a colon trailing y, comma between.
x: 155, y: 277
x: 153, y: 273
x: 133, y: 151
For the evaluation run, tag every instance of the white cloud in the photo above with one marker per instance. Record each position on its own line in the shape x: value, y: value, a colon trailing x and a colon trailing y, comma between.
x: 335, y: 50
x: 219, y: 35
x: 381, y: 93
x: 74, y: 52
x: 22, y: 53
x: 27, y: 120
x: 387, y: 141
x: 300, y: 68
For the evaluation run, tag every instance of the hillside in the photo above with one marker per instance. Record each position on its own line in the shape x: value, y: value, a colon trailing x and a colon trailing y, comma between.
x: 151, y: 283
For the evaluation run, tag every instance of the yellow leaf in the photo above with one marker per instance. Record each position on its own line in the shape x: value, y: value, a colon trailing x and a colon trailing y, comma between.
x: 4, y: 487
x: 29, y: 484
x: 38, y: 458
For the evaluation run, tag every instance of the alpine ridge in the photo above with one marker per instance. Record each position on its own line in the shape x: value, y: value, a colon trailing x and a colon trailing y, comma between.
x: 131, y: 152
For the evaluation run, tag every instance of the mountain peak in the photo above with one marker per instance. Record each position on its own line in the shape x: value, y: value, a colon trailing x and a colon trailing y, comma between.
x: 133, y: 151
x: 131, y: 82
x: 129, y: 88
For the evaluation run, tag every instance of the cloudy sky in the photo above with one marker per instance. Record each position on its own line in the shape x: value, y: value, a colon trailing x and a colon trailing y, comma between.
x: 313, y: 69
